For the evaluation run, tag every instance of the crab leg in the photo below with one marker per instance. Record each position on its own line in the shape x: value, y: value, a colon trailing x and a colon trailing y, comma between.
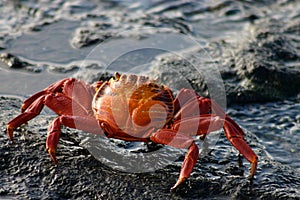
x: 64, y: 106
x: 77, y: 122
x: 233, y: 134
x: 33, y: 105
x: 179, y: 140
x: 32, y: 111
x: 205, y: 124
x: 199, y: 125
x: 53, y: 88
x: 188, y: 115
x: 58, y: 102
x: 189, y: 104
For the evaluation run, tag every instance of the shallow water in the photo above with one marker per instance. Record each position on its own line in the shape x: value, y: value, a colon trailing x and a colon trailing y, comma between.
x: 51, y: 44
x: 53, y: 34
x: 277, y: 126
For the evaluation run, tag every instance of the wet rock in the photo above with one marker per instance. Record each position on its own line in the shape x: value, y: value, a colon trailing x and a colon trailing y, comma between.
x: 120, y: 24
x: 3, y: 41
x: 14, y: 62
x: 63, y: 68
x: 170, y: 68
x: 268, y: 64
x: 27, y: 172
x: 11, y: 61
x: 19, y: 17
x: 87, y: 36
x: 93, y: 72
x: 277, y: 127
x: 264, y: 66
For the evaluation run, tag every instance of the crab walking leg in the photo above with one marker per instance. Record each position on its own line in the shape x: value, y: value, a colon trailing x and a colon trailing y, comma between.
x: 58, y: 102
x: 204, y: 124
x: 55, y: 87
x: 77, y: 122
x: 32, y: 111
x: 233, y: 134
x: 35, y: 108
x: 179, y: 140
x: 29, y: 101
x: 190, y: 160
x: 183, y: 97
x: 189, y: 104
x: 186, y: 104
x: 199, y: 125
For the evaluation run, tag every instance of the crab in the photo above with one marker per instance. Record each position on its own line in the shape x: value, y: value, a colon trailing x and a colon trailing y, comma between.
x: 134, y: 108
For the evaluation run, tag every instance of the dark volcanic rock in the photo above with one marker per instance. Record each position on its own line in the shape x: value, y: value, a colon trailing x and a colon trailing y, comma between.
x: 92, y: 73
x: 14, y: 62
x: 27, y: 172
x: 8, y: 60
x: 269, y: 63
x: 262, y: 65
x: 192, y: 69
x: 119, y: 24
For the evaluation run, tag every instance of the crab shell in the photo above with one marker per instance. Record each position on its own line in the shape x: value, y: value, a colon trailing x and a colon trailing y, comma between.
x: 132, y: 106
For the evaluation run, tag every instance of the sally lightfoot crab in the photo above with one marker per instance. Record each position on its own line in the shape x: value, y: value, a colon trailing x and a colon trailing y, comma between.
x: 133, y: 108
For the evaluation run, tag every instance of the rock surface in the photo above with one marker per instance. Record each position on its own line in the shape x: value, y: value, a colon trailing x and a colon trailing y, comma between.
x: 261, y: 66
x: 26, y: 170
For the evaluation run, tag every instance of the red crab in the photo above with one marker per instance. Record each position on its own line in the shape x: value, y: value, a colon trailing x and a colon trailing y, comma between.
x: 133, y: 108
